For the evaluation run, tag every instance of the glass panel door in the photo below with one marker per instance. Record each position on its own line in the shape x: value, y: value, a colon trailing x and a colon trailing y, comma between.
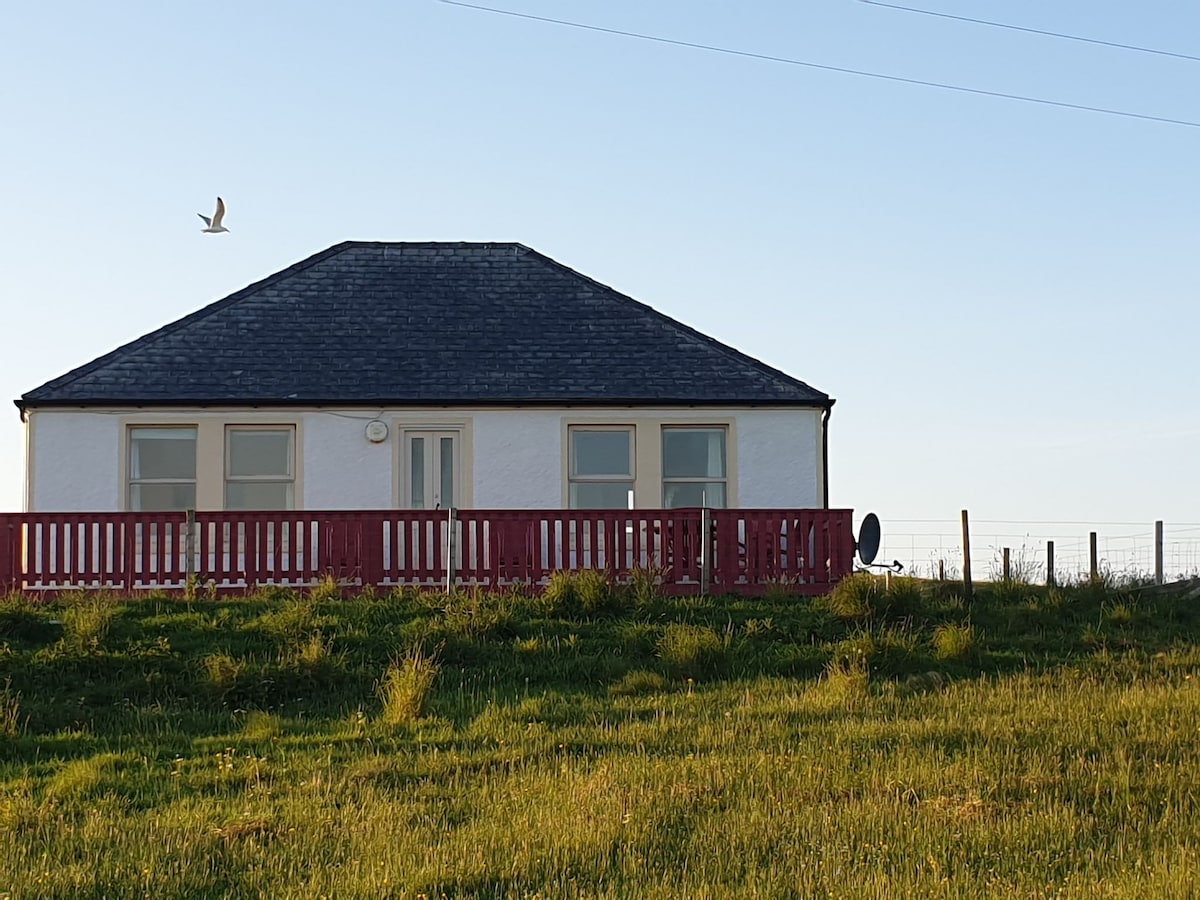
x: 431, y: 469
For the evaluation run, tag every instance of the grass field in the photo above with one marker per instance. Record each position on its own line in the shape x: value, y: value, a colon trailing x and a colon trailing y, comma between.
x: 602, y: 743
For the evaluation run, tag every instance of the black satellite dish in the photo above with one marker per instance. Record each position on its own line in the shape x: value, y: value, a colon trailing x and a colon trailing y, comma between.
x: 868, y: 539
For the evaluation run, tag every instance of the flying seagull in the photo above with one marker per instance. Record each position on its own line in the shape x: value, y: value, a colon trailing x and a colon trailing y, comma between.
x: 214, y: 224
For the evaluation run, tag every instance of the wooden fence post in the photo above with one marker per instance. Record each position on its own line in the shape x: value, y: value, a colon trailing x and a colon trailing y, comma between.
x: 966, y: 545
x: 706, y: 541
x: 1093, y: 557
x: 1158, y: 552
x: 941, y: 570
x: 1005, y: 569
x: 450, y: 522
x: 1049, y: 563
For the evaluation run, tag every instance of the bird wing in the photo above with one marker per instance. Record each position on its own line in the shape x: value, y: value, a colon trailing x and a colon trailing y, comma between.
x: 219, y: 214
x: 207, y: 220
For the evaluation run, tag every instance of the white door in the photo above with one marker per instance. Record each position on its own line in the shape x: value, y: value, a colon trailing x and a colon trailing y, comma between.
x: 431, y: 469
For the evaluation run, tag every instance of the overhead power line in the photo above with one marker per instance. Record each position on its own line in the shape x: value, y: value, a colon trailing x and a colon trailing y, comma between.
x: 1053, y: 34
x: 946, y: 86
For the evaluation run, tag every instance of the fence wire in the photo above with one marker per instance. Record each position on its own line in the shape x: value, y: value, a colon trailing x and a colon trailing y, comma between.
x: 1125, y: 550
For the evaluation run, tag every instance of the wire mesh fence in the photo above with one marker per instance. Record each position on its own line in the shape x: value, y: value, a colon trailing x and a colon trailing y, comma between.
x: 1125, y: 550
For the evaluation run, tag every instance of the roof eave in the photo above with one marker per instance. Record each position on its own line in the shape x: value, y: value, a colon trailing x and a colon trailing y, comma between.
x: 25, y: 404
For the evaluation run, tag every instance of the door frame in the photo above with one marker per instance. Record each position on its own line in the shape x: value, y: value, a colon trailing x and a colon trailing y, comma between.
x: 402, y: 480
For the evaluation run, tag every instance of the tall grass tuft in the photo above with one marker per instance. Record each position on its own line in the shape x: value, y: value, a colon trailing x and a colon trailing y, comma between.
x: 903, y: 597
x: 854, y: 598
x: 477, y: 613
x: 222, y: 671
x: 858, y: 650
x: 293, y: 621
x: 1121, y: 612
x: 583, y: 591
x: 955, y: 643
x: 11, y: 724
x: 691, y: 651
x: 325, y: 589
x: 404, y: 688
x: 261, y: 726
x: 87, y: 618
x: 643, y: 586
x: 529, y: 646
x: 593, y: 591
x: 1023, y: 571
x: 755, y: 628
x: 887, y: 649
x: 559, y: 597
x: 315, y: 655
x: 847, y: 681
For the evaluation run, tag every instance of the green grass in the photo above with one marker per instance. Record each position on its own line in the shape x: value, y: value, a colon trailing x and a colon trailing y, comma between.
x: 404, y: 689
x: 606, y: 742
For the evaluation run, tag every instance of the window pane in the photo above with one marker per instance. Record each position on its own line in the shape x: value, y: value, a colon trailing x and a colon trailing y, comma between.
x: 694, y: 493
x: 600, y: 452
x: 446, y: 460
x: 268, y: 495
x: 416, y: 462
x: 600, y: 495
x: 162, y: 453
x: 161, y: 497
x: 693, y: 453
x: 259, y: 453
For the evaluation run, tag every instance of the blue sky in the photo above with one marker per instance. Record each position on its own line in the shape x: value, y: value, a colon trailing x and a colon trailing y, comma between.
x: 1001, y: 296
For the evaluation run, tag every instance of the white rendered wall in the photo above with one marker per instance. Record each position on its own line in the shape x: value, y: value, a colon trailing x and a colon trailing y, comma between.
x: 511, y: 458
x: 518, y: 459
x: 779, y: 458
x: 73, y: 463
x: 341, y: 468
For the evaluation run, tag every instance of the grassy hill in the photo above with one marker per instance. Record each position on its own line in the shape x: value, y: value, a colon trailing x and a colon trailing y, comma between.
x: 594, y: 742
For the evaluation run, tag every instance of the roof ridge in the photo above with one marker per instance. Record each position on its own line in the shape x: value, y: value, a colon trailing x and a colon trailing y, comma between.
x: 724, y: 348
x: 369, y: 244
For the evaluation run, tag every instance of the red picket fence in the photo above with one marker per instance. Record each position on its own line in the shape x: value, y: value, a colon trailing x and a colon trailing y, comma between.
x: 748, y: 549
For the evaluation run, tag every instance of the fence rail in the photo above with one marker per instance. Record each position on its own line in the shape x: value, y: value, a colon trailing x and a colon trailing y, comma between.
x: 747, y: 551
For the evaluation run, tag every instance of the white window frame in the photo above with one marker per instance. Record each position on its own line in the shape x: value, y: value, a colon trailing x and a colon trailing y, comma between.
x: 573, y: 478
x: 289, y: 478
x: 692, y: 479
x: 131, y: 481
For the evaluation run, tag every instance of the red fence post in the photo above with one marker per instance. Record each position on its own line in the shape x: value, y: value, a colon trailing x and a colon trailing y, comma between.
x: 371, y: 560
x: 841, y: 561
x: 10, y: 578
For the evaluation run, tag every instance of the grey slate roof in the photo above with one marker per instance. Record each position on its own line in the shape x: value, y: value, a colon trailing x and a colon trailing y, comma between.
x: 374, y: 324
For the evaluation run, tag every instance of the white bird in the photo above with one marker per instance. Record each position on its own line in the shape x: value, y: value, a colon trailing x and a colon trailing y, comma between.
x: 214, y: 224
